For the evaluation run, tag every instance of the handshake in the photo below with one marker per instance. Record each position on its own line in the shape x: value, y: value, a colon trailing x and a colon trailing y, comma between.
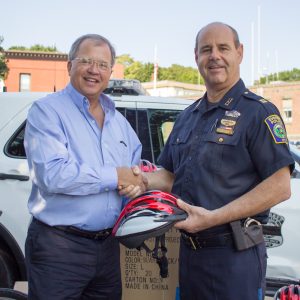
x: 131, y: 181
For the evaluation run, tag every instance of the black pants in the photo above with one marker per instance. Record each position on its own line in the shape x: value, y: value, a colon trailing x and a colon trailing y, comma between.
x: 64, y: 266
x: 222, y: 273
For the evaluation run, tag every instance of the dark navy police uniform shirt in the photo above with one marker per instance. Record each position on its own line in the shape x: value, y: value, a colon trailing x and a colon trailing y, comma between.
x: 221, y: 151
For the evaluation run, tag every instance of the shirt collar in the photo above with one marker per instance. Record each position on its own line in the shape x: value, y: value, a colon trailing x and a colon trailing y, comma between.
x: 80, y: 100
x: 230, y: 98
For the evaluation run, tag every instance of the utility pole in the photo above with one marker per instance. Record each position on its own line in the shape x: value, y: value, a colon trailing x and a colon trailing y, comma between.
x: 155, y: 71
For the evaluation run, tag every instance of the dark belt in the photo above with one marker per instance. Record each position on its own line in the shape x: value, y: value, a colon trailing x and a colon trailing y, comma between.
x: 93, y: 235
x: 195, y: 242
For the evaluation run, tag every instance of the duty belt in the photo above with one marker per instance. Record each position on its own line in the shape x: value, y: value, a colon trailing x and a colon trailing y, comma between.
x: 93, y: 235
x: 195, y: 242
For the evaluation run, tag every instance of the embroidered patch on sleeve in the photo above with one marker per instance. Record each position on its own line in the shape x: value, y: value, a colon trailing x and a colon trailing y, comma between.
x: 277, y: 129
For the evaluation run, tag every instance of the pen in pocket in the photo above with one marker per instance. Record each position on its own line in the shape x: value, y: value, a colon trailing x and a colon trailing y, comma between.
x: 214, y: 125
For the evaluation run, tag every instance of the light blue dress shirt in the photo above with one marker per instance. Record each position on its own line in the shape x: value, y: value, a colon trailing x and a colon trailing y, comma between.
x: 73, y: 162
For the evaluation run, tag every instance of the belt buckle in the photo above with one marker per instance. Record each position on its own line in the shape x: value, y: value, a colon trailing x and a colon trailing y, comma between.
x: 192, y: 243
x: 102, y: 235
x: 97, y: 235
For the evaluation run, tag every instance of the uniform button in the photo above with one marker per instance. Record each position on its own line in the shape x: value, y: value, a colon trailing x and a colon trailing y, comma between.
x: 106, y: 189
x: 221, y: 140
x: 190, y: 158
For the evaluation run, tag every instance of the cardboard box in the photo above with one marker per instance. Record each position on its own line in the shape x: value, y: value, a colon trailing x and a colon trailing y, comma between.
x: 140, y: 272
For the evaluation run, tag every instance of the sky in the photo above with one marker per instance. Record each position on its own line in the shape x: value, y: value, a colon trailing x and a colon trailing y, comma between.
x: 268, y: 29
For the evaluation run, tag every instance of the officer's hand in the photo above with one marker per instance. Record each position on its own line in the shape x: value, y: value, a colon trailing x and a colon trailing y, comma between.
x: 198, y: 218
x: 133, y: 190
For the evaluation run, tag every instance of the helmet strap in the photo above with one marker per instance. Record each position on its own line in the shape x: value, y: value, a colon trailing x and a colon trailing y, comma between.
x: 159, y: 253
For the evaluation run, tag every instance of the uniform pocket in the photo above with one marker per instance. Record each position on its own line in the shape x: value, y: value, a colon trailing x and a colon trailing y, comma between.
x: 217, y: 148
x: 180, y: 147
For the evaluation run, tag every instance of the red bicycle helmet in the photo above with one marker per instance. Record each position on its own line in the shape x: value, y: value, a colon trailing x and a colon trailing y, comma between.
x: 149, y: 215
x: 291, y: 292
x: 146, y: 166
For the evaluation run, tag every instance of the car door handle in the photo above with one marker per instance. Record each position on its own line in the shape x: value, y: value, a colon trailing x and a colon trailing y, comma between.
x: 4, y: 176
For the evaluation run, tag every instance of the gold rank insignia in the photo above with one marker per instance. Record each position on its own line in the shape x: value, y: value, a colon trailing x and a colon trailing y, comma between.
x: 262, y: 100
x: 228, y: 101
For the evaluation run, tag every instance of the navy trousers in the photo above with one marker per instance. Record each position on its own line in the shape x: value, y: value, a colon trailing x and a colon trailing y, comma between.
x: 63, y: 266
x: 222, y: 273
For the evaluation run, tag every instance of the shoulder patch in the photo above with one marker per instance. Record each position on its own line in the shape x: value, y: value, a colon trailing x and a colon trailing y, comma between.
x: 276, y: 129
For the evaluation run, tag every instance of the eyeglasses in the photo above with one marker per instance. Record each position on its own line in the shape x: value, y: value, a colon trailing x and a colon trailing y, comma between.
x: 89, y: 62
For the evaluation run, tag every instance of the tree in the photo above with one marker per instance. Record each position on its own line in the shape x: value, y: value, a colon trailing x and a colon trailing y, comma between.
x: 139, y: 71
x: 124, y: 60
x: 19, y: 48
x: 144, y: 72
x: 3, y: 62
x: 36, y: 47
x: 180, y: 73
x: 293, y: 75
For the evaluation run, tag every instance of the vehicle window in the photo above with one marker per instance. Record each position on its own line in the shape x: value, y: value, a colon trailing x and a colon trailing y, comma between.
x: 130, y: 115
x: 161, y: 124
x: 166, y: 128
x: 15, y: 145
x: 143, y: 132
x: 296, y: 172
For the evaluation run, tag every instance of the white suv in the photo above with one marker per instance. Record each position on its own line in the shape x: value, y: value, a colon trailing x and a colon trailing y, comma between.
x: 152, y: 118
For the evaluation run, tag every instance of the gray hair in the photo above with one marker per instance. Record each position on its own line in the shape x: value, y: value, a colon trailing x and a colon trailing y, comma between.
x: 234, y: 32
x: 95, y: 37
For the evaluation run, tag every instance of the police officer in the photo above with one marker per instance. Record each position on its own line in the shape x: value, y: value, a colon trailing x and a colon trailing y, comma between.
x: 228, y: 156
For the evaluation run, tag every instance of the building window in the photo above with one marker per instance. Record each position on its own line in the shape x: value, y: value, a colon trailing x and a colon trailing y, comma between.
x: 287, y: 110
x: 287, y: 115
x: 25, y: 80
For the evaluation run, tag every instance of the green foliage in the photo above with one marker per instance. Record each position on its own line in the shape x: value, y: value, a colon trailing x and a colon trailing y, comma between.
x: 293, y: 75
x: 20, y: 48
x: 36, y: 47
x: 180, y: 73
x: 3, y: 62
x: 124, y: 60
x: 144, y: 72
x: 139, y: 71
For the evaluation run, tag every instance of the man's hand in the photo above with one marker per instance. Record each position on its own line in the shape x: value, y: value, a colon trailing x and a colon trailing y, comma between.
x: 198, y: 218
x: 131, y: 182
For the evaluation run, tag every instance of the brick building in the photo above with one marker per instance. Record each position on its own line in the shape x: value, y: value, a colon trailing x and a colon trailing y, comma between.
x: 41, y: 71
x: 286, y: 96
x: 36, y: 71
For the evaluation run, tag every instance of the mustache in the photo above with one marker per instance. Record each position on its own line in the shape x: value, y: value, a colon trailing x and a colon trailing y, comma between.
x: 214, y: 64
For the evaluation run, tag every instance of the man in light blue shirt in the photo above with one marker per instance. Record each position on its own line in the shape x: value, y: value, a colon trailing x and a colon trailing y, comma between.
x: 80, y: 150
